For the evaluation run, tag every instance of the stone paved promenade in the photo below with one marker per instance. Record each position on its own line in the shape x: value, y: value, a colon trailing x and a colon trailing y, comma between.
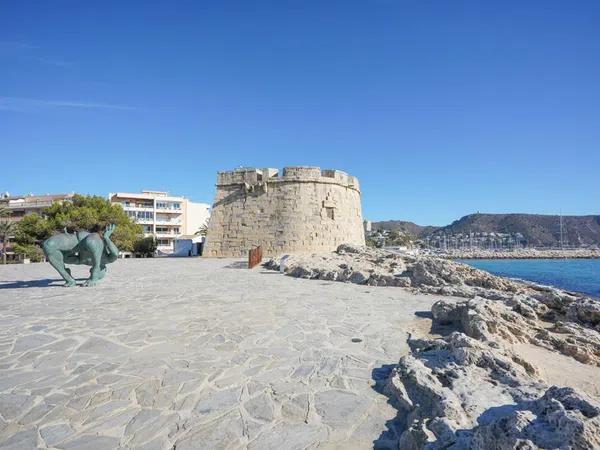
x: 197, y: 354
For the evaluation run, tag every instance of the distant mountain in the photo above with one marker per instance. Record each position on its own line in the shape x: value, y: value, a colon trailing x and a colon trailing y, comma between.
x: 406, y: 227
x: 537, y: 230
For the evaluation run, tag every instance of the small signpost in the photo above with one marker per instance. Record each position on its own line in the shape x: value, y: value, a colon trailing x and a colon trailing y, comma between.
x: 254, y: 257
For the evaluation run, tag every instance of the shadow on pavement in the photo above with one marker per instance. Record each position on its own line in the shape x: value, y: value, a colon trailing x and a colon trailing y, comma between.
x: 32, y: 283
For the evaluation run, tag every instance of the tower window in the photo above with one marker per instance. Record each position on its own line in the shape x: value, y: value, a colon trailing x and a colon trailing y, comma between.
x: 330, y: 213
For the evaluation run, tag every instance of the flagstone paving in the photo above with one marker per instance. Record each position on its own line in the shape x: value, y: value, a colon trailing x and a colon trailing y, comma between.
x: 194, y: 353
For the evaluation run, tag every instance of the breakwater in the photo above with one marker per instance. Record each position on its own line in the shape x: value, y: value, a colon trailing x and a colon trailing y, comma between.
x: 591, y: 253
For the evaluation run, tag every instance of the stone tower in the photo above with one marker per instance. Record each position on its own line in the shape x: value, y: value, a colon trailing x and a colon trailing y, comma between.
x: 305, y: 210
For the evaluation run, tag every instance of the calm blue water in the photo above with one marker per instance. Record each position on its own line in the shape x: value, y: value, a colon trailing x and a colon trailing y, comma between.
x: 581, y: 275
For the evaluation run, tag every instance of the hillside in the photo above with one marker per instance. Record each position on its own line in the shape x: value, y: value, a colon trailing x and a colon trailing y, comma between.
x: 537, y: 230
x: 406, y: 227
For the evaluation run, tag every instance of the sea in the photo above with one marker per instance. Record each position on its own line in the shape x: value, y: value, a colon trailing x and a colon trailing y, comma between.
x: 579, y: 275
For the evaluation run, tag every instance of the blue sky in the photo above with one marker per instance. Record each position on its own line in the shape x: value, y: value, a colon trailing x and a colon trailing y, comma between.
x: 440, y: 108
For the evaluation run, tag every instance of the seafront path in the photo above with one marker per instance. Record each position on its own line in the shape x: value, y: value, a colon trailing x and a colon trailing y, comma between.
x: 198, y: 353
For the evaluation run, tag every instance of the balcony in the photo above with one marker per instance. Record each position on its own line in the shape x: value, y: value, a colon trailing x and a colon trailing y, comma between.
x: 169, y: 210
x: 137, y: 207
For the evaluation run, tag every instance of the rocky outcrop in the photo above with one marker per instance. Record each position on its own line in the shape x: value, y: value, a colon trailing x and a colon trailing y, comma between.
x: 376, y: 267
x: 517, y: 321
x: 461, y: 393
x: 469, y: 390
x: 379, y: 267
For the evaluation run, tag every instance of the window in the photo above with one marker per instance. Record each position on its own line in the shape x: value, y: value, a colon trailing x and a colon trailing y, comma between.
x: 330, y: 213
x: 168, y: 205
x: 144, y: 215
x: 140, y: 215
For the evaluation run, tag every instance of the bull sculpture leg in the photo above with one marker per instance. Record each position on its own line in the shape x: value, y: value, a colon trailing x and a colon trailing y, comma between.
x: 94, y: 247
x: 55, y: 249
x: 56, y: 260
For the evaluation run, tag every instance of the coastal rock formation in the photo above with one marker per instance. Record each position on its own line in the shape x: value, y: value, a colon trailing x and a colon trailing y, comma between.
x: 516, y: 321
x: 459, y: 393
x: 376, y: 267
x: 470, y: 390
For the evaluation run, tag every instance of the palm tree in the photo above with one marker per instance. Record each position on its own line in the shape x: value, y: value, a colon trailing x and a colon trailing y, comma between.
x: 202, y: 230
x: 4, y: 211
x: 7, y: 228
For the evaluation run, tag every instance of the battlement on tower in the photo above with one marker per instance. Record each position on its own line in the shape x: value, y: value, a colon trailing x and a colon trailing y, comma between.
x: 300, y: 209
x: 252, y: 176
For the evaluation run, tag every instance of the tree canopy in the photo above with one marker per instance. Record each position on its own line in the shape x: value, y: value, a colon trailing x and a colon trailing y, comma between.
x: 90, y: 213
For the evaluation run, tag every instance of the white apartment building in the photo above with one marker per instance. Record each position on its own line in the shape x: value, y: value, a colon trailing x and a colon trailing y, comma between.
x: 163, y: 216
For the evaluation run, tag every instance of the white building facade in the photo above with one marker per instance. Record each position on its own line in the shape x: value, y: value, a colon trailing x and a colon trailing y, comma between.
x: 21, y: 205
x: 163, y: 216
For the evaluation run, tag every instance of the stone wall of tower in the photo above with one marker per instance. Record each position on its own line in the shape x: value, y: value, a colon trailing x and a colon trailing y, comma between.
x: 304, y: 210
